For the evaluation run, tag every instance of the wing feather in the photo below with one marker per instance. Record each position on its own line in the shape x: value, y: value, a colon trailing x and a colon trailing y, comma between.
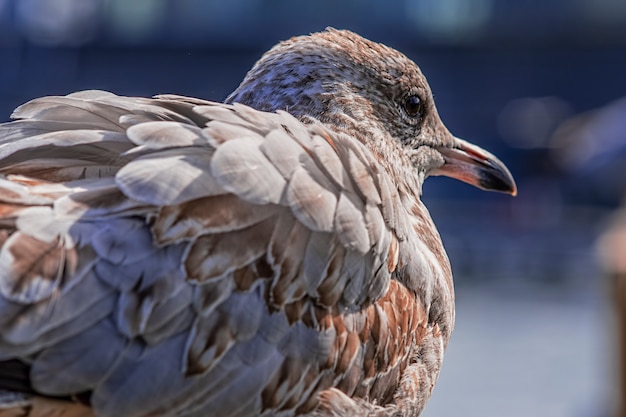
x: 232, y: 260
x: 68, y: 365
x: 312, y: 203
x: 165, y: 134
x: 207, y: 215
x: 148, y: 178
x: 240, y: 167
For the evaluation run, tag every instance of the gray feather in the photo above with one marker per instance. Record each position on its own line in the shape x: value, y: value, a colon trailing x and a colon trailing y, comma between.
x: 241, y: 168
x: 148, y: 179
x: 78, y: 363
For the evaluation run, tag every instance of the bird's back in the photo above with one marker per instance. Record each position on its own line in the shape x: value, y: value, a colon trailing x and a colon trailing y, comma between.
x: 172, y: 256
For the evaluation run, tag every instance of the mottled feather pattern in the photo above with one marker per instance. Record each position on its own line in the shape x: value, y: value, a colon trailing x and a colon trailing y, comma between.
x: 266, y: 256
x: 226, y: 272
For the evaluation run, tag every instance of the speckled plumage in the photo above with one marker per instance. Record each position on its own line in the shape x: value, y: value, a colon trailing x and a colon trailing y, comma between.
x: 269, y: 256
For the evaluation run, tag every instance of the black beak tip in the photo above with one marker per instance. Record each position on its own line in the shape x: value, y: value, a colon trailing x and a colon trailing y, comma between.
x: 498, y: 179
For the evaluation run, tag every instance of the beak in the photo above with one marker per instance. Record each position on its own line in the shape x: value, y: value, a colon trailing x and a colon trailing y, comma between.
x: 474, y: 165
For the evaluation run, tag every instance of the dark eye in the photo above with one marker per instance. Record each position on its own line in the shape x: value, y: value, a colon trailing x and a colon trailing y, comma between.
x: 413, y: 106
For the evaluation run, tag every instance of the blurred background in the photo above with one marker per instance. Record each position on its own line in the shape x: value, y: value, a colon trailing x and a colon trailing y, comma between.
x: 540, y: 83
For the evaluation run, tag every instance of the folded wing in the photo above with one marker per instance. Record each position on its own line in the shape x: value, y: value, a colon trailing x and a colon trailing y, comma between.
x: 171, y: 254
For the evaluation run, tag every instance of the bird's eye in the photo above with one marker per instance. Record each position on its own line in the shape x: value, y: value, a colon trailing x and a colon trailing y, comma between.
x: 413, y: 106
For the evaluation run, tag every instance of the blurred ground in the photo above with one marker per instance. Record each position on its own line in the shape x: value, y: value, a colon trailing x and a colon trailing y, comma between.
x: 526, y: 350
x: 534, y: 82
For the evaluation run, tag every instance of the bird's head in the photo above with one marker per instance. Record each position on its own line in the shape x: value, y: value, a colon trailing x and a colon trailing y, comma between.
x: 373, y: 93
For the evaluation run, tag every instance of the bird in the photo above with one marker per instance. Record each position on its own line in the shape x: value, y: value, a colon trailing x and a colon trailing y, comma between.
x: 268, y: 255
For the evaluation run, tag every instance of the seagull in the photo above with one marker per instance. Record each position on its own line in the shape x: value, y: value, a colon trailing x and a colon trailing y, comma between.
x: 266, y: 256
